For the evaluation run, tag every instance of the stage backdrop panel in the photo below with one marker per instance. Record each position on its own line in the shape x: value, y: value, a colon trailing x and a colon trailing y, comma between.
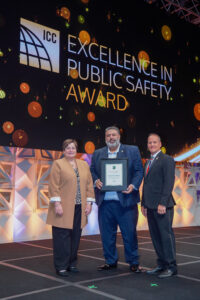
x: 24, y: 175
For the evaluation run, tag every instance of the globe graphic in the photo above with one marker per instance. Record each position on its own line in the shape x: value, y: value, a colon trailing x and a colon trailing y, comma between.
x: 32, y: 51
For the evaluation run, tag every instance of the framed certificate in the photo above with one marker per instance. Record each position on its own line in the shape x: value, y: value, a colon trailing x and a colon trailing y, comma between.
x: 114, y: 174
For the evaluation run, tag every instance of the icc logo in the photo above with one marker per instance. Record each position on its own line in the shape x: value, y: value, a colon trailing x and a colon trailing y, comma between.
x: 49, y: 37
x: 39, y: 46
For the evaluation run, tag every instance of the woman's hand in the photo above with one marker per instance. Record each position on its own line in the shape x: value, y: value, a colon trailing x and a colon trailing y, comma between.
x: 58, y: 209
x: 88, y: 209
x: 99, y: 184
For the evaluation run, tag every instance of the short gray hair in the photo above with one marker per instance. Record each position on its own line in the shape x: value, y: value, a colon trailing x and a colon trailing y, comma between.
x: 152, y: 133
x: 112, y: 127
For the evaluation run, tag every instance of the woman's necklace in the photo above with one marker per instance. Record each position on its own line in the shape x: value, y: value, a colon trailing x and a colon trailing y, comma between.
x: 73, y: 163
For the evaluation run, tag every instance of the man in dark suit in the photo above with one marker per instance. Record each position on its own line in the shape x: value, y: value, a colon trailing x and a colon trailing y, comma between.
x: 158, y: 206
x: 118, y: 208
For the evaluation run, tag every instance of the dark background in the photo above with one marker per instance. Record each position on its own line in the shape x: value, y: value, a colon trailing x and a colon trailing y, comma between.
x: 140, y: 29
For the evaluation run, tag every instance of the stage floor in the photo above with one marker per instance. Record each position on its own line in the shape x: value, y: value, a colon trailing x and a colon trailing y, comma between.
x: 27, y: 272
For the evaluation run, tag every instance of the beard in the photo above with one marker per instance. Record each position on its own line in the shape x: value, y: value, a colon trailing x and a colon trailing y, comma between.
x: 115, y: 144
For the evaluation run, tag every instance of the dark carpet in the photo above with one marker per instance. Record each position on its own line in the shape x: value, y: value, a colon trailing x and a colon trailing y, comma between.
x: 27, y: 272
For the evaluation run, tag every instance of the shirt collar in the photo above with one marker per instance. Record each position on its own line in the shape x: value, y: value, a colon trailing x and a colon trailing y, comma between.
x: 115, y: 150
x: 153, y: 156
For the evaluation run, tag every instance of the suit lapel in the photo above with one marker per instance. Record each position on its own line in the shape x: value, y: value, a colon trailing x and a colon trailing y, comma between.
x: 121, y: 153
x: 154, y: 163
x: 104, y: 153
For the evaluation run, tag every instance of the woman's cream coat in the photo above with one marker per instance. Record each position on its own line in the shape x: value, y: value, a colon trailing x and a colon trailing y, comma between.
x: 63, y: 184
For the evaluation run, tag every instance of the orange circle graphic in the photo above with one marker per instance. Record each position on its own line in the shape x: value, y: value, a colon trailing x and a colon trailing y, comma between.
x: 35, y: 109
x: 8, y: 127
x: 20, y: 138
x: 89, y: 147
x: 24, y: 87
x: 91, y: 116
x: 84, y: 37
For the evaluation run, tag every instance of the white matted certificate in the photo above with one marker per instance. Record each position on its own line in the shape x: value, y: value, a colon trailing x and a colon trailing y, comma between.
x: 114, y: 174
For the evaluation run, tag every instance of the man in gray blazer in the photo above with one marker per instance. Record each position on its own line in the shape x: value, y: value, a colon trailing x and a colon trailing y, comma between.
x: 158, y: 206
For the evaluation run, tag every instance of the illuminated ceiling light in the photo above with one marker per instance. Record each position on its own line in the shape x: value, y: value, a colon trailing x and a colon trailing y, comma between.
x: 195, y: 159
x: 187, y: 154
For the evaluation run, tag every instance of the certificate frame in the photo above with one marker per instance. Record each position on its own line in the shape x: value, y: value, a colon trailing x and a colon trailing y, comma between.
x: 119, y: 178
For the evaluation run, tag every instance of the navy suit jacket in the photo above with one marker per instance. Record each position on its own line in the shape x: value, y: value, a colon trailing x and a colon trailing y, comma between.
x: 159, y: 182
x: 135, y: 173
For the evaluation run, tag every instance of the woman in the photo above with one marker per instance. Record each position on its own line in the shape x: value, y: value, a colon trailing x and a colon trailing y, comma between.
x: 71, y: 196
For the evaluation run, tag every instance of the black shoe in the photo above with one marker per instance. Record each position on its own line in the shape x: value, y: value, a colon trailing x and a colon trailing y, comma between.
x: 135, y: 269
x: 167, y: 273
x: 62, y: 273
x: 155, y: 271
x: 73, y: 269
x: 107, y: 267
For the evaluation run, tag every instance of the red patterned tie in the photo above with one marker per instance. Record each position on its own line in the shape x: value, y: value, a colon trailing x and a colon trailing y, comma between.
x: 148, y: 167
